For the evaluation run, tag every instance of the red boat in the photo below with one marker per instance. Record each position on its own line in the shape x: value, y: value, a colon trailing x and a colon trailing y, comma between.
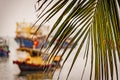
x: 33, y: 67
x: 37, y: 64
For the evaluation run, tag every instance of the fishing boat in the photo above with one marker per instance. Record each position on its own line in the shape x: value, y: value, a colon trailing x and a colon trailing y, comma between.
x: 31, y: 41
x: 38, y: 63
x: 65, y: 43
x: 4, y: 48
x: 26, y: 35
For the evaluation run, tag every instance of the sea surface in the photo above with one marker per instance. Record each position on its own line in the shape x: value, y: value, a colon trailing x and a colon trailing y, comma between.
x: 10, y: 71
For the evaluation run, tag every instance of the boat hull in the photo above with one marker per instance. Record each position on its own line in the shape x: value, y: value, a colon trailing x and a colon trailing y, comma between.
x: 4, y: 52
x: 31, y: 67
x: 24, y: 65
x: 28, y: 43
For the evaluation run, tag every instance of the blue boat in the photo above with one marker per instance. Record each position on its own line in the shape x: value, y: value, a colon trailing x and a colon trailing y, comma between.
x: 29, y: 43
x: 4, y: 48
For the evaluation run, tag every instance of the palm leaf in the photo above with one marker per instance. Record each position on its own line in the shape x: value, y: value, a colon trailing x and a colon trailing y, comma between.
x: 94, y: 23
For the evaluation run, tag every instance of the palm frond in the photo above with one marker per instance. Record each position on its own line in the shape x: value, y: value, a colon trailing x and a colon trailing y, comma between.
x: 94, y: 23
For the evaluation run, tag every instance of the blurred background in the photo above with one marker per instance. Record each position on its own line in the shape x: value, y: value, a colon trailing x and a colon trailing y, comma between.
x: 12, y: 11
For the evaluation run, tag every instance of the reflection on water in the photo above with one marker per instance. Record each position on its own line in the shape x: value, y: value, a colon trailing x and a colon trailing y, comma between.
x: 36, y: 75
x: 3, y: 59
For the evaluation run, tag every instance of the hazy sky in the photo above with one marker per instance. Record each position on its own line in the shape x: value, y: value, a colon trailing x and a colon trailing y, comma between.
x: 12, y: 11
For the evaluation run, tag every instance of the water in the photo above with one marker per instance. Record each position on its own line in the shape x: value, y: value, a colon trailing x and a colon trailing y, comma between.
x: 10, y: 71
